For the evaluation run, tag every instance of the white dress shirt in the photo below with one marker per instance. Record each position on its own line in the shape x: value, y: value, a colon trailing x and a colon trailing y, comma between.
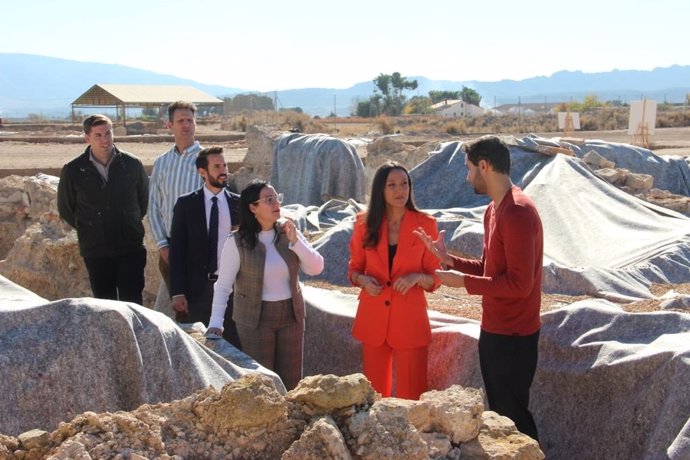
x: 224, y: 223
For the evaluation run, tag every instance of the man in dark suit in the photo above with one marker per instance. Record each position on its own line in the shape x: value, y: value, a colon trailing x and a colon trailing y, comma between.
x: 201, y: 223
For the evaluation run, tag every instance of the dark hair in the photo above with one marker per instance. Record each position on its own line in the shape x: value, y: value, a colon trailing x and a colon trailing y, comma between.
x: 95, y: 120
x: 491, y: 149
x: 249, y: 226
x: 202, y: 157
x: 180, y: 105
x: 377, y: 202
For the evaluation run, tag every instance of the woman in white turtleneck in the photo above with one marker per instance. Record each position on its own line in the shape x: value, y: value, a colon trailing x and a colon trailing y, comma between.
x: 260, y: 262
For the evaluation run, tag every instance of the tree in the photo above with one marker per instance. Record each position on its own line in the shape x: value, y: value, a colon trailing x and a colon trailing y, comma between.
x: 247, y: 102
x: 391, y: 88
x: 467, y: 95
x: 418, y: 104
x: 438, y: 96
x: 470, y: 96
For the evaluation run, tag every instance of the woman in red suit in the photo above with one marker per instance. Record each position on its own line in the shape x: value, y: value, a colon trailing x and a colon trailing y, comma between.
x: 393, y: 268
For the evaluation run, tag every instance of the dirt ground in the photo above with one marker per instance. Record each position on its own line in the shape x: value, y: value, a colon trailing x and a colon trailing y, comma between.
x: 28, y: 157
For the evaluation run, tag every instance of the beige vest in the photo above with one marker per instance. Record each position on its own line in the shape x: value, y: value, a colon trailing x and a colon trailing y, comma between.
x: 250, y: 279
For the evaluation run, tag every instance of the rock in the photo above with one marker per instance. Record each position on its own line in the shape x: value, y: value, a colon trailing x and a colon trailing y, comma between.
x: 612, y: 176
x: 438, y: 445
x: 390, y: 148
x: 249, y: 402
x: 639, y: 182
x: 499, y: 439
x: 418, y: 413
x: 24, y: 201
x: 666, y: 199
x: 321, y: 440
x: 247, y: 418
x: 455, y: 412
x: 596, y: 161
x: 384, y: 432
x: 258, y: 159
x: 8, y: 444
x: 328, y: 393
x: 35, y: 244
x: 34, y: 439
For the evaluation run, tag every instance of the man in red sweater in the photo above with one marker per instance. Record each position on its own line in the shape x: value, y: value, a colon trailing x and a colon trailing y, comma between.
x: 508, y: 277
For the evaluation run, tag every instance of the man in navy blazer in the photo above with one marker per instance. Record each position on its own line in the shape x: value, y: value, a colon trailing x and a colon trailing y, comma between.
x: 193, y: 266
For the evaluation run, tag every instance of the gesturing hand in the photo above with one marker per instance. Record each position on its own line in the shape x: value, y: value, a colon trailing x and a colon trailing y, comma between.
x: 436, y: 247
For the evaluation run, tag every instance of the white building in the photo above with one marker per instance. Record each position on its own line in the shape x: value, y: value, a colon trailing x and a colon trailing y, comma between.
x: 456, y: 108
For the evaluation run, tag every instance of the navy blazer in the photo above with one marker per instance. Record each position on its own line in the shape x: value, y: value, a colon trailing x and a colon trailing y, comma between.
x: 189, y: 244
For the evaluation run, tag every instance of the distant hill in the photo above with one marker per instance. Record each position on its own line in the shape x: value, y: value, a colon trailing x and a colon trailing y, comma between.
x: 47, y: 86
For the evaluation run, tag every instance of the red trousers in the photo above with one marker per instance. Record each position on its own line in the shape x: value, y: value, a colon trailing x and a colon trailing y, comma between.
x: 410, y: 370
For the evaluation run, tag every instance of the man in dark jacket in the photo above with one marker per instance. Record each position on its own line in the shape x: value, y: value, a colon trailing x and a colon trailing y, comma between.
x: 103, y: 194
x: 196, y: 242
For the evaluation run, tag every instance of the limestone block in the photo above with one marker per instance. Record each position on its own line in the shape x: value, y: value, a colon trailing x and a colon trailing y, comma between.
x: 260, y: 145
x: 250, y: 402
x: 612, y: 176
x: 596, y: 161
x: 456, y: 411
x: 639, y: 182
x: 321, y: 440
x: 327, y: 393
x: 498, y: 438
x: 384, y: 432
x: 34, y: 439
x: 389, y: 148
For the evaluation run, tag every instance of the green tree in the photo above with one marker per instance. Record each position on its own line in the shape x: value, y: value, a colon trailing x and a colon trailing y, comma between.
x: 391, y: 89
x: 470, y: 96
x: 418, y: 104
x: 372, y: 107
x: 247, y: 103
x: 438, y: 96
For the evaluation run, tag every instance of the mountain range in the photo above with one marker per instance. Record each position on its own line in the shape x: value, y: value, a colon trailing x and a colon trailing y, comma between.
x: 32, y: 84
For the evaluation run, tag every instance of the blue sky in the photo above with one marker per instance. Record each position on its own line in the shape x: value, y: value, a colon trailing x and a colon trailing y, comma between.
x: 276, y: 45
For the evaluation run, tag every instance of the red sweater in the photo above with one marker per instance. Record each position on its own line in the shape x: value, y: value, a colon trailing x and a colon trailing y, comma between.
x: 508, y: 276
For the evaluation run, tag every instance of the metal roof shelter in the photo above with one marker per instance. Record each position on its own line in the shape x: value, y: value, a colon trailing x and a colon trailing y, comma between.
x: 122, y: 97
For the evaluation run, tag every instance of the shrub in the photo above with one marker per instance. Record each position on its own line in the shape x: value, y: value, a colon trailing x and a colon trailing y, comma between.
x: 455, y: 128
x: 385, y: 125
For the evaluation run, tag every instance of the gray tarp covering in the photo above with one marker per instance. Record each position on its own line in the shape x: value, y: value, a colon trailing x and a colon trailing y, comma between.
x: 613, y: 385
x: 311, y: 169
x: 59, y: 359
x: 609, y: 384
x: 598, y: 240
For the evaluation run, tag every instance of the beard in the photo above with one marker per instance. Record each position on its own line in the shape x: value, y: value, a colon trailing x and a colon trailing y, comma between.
x: 479, y: 186
x: 219, y: 182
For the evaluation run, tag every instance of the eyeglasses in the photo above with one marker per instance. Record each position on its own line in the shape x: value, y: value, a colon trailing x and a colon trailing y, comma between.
x: 271, y: 199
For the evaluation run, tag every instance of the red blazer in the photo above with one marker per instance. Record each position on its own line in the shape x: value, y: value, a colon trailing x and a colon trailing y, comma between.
x: 401, y: 320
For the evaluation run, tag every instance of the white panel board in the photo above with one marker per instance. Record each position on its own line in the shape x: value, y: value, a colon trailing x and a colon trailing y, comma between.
x: 642, y: 113
x: 574, y: 117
